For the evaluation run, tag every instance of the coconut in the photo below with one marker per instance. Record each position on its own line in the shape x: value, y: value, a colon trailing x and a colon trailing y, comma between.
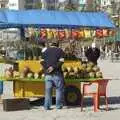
x: 69, y: 69
x: 92, y: 75
x: 41, y: 71
x: 76, y: 70
x: 64, y: 69
x: 89, y: 69
x: 90, y: 64
x: 85, y: 74
x: 99, y: 74
x: 84, y: 65
x: 30, y: 58
x: 72, y: 75
x: 43, y: 75
x: 22, y: 75
x: 30, y: 75
x: 8, y: 74
x: 96, y: 68
x: 66, y: 75
x: 16, y: 74
x: 81, y: 74
x: 26, y: 70
x: 10, y: 69
x: 34, y: 57
x: 36, y: 75
x: 77, y: 75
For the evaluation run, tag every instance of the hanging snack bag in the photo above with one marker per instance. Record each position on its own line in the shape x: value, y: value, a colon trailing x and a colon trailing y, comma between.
x: 50, y: 34
x: 43, y: 34
x: 111, y: 32
x: 81, y: 34
x: 99, y: 33
x: 55, y: 33
x: 75, y: 34
x: 93, y: 33
x: 67, y: 34
x: 87, y: 33
x: 61, y: 34
x: 105, y: 32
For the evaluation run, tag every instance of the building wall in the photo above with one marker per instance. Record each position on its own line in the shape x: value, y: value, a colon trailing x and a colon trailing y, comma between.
x: 3, y: 3
x: 105, y: 2
x: 82, y: 1
x: 31, y: 4
x: 21, y: 4
x: 16, y: 4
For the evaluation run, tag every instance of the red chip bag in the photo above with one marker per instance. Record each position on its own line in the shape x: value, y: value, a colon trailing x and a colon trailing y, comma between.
x: 61, y: 34
x: 67, y: 33
x: 99, y: 33
x: 43, y: 33
x: 81, y: 34
x: 111, y: 32
x: 75, y: 34
x: 105, y: 32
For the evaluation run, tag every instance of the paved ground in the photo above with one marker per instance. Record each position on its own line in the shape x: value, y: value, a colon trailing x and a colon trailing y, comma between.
x: 110, y: 70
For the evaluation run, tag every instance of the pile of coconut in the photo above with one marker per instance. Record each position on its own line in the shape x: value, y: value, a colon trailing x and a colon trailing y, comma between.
x: 85, y: 70
x: 25, y: 73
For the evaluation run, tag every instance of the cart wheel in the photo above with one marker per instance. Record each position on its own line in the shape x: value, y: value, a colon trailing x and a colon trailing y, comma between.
x: 72, y: 95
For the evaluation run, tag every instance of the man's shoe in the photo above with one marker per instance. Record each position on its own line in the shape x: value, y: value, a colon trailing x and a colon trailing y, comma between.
x: 60, y: 107
x: 47, y: 108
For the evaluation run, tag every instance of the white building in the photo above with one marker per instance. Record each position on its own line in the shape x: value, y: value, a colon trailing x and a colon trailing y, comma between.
x: 22, y: 4
x: 16, y: 4
x: 3, y: 3
x: 105, y: 2
x: 82, y: 2
x: 28, y: 4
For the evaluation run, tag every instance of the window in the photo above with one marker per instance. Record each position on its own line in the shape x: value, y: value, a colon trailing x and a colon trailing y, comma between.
x: 104, y: 2
x: 29, y: 1
x: 3, y: 5
x: 28, y: 6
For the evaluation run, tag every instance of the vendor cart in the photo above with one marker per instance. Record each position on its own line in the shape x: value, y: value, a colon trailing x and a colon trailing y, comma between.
x: 30, y: 87
x: 35, y: 87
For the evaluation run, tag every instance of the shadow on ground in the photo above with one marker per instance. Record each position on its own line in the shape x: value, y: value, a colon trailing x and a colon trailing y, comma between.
x: 40, y: 102
x: 87, y: 101
x: 111, y: 100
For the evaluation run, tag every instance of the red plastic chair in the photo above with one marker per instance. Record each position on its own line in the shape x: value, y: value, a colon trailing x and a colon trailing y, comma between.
x: 95, y: 89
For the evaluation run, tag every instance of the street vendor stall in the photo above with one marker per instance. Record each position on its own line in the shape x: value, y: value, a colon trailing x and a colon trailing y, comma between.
x: 28, y: 80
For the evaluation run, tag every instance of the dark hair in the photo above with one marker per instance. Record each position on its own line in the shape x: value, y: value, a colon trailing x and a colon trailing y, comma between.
x: 56, y: 44
x: 42, y: 43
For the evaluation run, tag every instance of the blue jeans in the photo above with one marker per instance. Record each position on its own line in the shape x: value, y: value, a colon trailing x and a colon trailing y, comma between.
x: 56, y: 81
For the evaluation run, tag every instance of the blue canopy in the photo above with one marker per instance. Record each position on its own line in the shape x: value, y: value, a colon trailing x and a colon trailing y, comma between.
x: 54, y: 19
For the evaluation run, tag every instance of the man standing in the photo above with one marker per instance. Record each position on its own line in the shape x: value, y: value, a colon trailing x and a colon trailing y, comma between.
x: 52, y: 60
x: 92, y: 53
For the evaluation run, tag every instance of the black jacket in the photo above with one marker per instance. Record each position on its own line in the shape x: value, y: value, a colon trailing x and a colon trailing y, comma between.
x: 92, y: 54
x: 51, y: 57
